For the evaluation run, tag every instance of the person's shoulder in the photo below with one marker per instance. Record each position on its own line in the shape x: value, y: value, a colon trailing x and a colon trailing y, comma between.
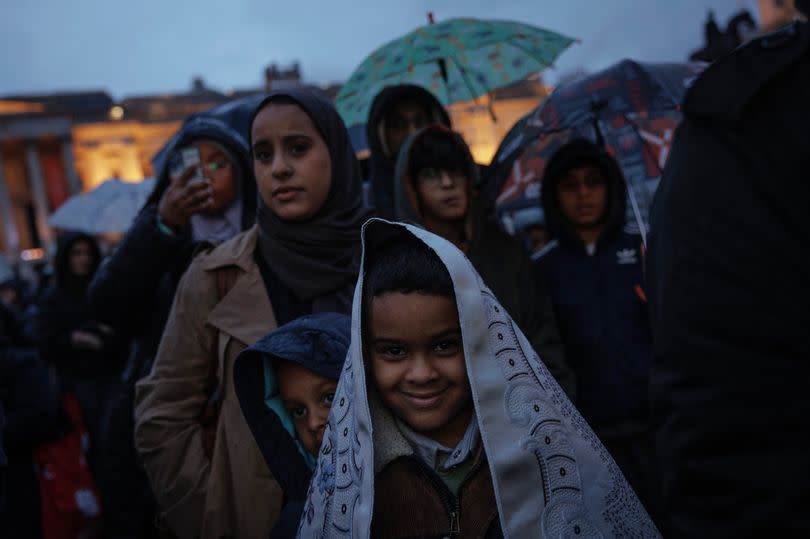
x: 210, y: 255
x: 727, y: 87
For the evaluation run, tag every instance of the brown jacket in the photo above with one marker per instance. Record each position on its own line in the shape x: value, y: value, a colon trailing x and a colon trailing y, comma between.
x: 233, y: 494
x: 408, y: 502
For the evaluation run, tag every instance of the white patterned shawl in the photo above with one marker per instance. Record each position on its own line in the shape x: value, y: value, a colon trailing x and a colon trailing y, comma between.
x: 551, y: 475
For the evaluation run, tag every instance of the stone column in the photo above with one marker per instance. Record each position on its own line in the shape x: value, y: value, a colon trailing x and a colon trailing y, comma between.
x: 41, y: 209
x: 12, y: 241
x: 74, y: 184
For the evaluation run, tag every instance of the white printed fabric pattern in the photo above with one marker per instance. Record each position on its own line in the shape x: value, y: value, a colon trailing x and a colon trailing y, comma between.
x: 551, y: 474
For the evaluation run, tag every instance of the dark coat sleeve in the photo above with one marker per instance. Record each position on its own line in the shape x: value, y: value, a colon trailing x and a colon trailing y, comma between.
x: 728, y: 271
x: 123, y: 292
x: 538, y: 319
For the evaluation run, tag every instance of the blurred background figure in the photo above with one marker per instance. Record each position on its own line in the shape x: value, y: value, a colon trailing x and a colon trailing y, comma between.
x: 29, y: 416
x: 86, y: 354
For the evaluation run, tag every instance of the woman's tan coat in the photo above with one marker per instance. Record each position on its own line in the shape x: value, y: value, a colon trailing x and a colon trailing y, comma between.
x: 233, y: 494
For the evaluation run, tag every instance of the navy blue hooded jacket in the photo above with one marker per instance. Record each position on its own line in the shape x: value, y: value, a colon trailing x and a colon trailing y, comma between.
x: 318, y: 342
x: 598, y: 301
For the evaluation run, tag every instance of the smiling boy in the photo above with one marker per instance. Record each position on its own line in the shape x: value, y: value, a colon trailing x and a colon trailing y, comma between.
x: 445, y: 423
x: 436, y: 466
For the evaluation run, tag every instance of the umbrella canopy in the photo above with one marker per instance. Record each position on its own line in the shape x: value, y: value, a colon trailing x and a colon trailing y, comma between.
x: 111, y: 207
x: 630, y: 108
x: 456, y: 60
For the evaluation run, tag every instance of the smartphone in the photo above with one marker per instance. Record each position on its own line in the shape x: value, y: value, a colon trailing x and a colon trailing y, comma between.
x: 185, y: 158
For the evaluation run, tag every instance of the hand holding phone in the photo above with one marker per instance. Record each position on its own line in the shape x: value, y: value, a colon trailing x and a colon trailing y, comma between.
x: 188, y: 191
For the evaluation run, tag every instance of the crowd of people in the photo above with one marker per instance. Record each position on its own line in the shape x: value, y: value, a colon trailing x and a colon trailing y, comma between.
x: 276, y: 349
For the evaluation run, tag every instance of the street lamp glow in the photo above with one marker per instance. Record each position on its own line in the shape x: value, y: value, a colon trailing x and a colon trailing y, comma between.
x: 117, y: 112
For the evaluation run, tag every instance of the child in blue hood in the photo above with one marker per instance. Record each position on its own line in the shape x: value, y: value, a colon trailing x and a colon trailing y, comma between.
x: 285, y: 384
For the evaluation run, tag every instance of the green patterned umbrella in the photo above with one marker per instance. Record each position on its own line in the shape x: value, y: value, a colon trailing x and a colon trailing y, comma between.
x: 457, y: 60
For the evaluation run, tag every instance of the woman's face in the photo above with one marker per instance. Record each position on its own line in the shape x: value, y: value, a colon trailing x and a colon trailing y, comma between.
x: 291, y: 162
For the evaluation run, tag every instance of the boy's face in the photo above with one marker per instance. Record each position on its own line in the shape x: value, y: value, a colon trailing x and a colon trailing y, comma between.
x: 417, y: 362
x: 307, y: 397
x: 442, y: 194
x: 582, y: 194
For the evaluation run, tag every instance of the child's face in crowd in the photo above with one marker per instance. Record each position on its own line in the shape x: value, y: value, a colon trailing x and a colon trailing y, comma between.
x: 442, y: 193
x: 218, y: 170
x: 417, y: 363
x: 291, y: 162
x: 582, y: 194
x: 307, y: 397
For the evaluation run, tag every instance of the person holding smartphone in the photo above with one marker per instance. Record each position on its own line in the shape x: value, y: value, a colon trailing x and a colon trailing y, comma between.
x: 205, y: 191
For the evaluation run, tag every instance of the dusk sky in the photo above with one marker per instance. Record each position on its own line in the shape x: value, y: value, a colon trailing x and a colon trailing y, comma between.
x: 156, y: 46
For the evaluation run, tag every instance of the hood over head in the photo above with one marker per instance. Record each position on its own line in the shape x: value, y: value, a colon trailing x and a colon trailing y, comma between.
x: 551, y: 475
x: 318, y: 259
x: 577, y: 153
x: 317, y: 342
x: 407, y: 204
x: 225, y: 126
x: 64, y: 277
x: 382, y: 160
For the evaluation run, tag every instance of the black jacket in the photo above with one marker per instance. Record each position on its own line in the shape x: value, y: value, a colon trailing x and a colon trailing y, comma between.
x: 728, y: 272
x: 317, y: 342
x: 134, y: 289
x: 382, y: 161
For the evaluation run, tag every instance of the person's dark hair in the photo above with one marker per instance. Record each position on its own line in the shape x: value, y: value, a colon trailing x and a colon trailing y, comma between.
x: 439, y: 149
x: 406, y: 265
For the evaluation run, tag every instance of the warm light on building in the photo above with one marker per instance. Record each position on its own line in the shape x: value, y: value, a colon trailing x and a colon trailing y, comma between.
x: 19, y: 107
x: 485, y: 122
x: 117, y: 149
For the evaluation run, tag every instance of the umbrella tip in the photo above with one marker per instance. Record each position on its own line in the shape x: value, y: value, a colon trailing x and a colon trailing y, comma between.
x: 430, y: 18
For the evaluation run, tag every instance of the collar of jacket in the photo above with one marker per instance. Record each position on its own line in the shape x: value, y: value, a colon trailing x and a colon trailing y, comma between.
x: 245, y: 310
x: 725, y: 89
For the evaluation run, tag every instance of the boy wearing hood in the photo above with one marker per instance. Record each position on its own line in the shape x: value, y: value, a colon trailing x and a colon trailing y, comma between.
x: 286, y: 384
x: 434, y: 187
x: 446, y: 424
x: 397, y: 112
x: 594, y: 271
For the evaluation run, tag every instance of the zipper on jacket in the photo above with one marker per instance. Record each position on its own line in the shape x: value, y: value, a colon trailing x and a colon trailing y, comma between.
x: 454, y: 524
x: 452, y: 504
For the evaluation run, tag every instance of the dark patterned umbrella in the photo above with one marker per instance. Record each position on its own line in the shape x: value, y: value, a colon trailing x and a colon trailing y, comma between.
x: 630, y: 108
